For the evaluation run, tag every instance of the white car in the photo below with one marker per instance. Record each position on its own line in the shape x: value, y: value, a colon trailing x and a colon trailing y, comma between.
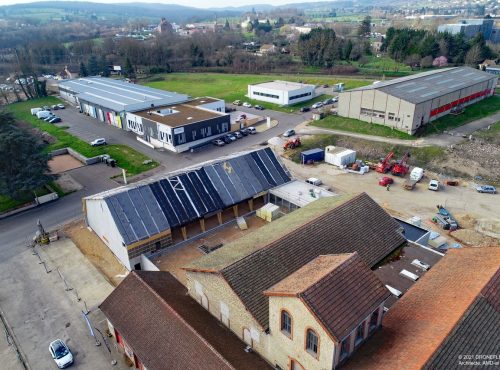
x: 317, y: 105
x: 98, y: 142
x: 61, y: 354
x: 433, y: 185
x: 247, y: 105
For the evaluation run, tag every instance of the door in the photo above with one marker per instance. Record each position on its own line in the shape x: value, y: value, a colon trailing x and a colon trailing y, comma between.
x: 247, y: 337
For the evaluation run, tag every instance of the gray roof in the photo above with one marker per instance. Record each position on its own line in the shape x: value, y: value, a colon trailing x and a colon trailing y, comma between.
x: 120, y: 95
x: 151, y: 207
x: 476, y: 333
x: 429, y: 85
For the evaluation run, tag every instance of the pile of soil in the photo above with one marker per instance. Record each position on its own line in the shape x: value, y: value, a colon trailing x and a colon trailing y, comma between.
x: 473, y: 238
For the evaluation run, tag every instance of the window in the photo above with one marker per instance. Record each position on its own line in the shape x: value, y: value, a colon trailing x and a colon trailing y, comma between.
x: 312, y: 342
x: 286, y: 323
x: 266, y: 95
x: 344, y: 347
x: 360, y: 333
x: 299, y: 96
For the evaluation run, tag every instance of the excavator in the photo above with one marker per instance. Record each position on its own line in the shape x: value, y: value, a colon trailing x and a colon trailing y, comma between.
x: 292, y: 143
x: 385, y: 165
x: 401, y: 167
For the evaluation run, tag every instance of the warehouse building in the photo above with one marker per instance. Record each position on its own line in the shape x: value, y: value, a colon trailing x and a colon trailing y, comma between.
x: 145, y: 217
x: 180, y: 127
x: 109, y: 100
x: 410, y: 102
x: 281, y: 92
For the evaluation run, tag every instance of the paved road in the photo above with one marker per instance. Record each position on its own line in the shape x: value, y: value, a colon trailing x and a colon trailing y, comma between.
x: 452, y: 137
x: 32, y: 301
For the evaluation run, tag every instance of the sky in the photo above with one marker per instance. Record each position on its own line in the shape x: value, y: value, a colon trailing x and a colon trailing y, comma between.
x: 193, y: 3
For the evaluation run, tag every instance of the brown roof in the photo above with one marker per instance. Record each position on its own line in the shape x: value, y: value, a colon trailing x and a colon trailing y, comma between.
x: 345, y: 293
x: 419, y: 322
x: 167, y: 329
x: 358, y: 224
x: 186, y: 114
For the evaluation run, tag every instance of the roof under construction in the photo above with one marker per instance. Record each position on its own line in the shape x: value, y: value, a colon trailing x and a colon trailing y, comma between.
x: 148, y: 208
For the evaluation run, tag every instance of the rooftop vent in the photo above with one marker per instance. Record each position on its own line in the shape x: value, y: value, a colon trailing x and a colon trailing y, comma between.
x: 394, y: 291
x: 424, y: 266
x: 190, y: 118
x: 409, y: 275
x: 248, y: 349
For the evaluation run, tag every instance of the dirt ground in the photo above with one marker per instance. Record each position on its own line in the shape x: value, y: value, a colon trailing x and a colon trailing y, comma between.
x: 63, y: 163
x: 67, y: 183
x: 96, y: 251
x: 462, y: 201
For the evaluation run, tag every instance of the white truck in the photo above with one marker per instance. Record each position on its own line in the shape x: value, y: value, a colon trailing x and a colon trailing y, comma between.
x: 416, y: 174
x: 34, y: 111
x: 43, y: 114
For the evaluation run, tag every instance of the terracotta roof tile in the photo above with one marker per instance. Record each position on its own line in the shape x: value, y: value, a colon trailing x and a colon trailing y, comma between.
x: 357, y: 225
x: 416, y: 326
x: 168, y: 330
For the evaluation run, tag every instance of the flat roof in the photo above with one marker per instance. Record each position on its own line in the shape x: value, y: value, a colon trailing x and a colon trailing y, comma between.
x: 429, y: 85
x: 411, y: 232
x: 299, y: 192
x: 203, y: 100
x: 283, y: 85
x: 120, y: 95
x: 183, y: 114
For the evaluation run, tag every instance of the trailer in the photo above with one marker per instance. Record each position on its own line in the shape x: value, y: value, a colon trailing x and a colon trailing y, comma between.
x: 409, y: 184
x: 312, y: 155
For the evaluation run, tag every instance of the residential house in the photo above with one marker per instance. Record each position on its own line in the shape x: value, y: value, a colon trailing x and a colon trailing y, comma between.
x: 267, y: 49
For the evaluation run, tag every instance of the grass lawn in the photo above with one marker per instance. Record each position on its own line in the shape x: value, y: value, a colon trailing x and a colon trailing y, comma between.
x: 492, y: 135
x: 471, y: 113
x: 7, y: 204
x: 361, y: 127
x: 126, y: 157
x: 232, y: 87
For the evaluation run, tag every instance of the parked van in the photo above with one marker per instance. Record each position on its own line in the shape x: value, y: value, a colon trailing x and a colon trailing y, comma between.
x: 251, y: 130
x: 416, y: 174
x: 43, y: 114
x: 34, y: 111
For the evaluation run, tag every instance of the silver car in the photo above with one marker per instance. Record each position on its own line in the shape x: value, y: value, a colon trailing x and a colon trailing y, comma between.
x: 61, y: 354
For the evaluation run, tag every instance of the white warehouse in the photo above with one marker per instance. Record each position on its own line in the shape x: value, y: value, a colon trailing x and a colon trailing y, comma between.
x: 281, y: 92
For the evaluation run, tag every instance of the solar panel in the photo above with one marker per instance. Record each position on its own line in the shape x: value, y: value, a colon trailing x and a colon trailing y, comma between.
x: 203, y: 196
x: 262, y: 181
x: 245, y: 174
x: 193, y: 194
x: 263, y: 169
x: 209, y: 187
x: 142, y: 212
x: 155, y: 210
x: 165, y: 205
x: 228, y: 185
x: 132, y: 215
x: 123, y: 228
x: 219, y: 186
x: 177, y: 207
x: 270, y: 167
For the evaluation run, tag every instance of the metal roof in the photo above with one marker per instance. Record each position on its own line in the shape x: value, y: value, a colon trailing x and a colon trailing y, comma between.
x: 282, y: 85
x: 120, y: 95
x: 429, y: 85
x: 148, y: 208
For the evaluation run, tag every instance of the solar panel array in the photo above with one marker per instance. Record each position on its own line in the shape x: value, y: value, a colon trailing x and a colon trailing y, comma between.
x: 144, y: 211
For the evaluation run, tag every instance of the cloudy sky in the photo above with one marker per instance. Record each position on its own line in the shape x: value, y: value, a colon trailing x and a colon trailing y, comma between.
x: 194, y: 3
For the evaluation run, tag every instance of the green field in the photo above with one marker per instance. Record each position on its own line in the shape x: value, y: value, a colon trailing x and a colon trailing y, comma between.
x: 471, y: 113
x: 492, y: 135
x: 126, y: 157
x: 232, y: 87
x: 361, y: 127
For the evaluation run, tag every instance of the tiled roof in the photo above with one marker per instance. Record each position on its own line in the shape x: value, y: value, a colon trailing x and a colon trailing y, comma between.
x: 477, y: 333
x: 345, y: 292
x: 419, y: 322
x: 168, y: 330
x: 358, y: 224
x: 146, y: 209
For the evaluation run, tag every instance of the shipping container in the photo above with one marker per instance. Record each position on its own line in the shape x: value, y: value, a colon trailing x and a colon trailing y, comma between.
x: 339, y: 156
x: 312, y: 155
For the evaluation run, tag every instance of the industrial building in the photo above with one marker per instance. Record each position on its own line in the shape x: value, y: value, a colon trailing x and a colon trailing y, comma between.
x: 145, y: 217
x: 180, y: 127
x: 281, y: 92
x: 471, y: 27
x: 410, y: 102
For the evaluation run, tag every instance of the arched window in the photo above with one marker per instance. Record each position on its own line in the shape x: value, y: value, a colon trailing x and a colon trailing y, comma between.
x: 286, y: 323
x: 312, y: 342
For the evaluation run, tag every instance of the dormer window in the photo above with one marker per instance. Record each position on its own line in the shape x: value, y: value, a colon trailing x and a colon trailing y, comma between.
x: 286, y: 323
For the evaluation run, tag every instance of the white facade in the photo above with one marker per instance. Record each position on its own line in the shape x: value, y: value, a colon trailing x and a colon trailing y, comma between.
x: 281, y: 92
x: 99, y: 219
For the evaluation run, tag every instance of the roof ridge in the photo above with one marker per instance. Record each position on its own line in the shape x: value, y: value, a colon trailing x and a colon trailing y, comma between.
x: 179, y: 317
x: 268, y: 244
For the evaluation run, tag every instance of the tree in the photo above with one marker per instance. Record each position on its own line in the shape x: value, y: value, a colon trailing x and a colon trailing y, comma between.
x: 93, y: 66
x: 318, y: 47
x: 366, y: 26
x: 129, y: 70
x: 83, y: 70
x: 227, y: 27
x: 103, y: 66
x: 280, y: 22
x: 426, y: 62
x: 23, y: 163
x: 474, y: 56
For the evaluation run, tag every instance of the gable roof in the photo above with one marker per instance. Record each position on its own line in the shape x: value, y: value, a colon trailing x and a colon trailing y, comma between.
x: 358, y: 224
x: 340, y: 290
x: 418, y: 323
x: 144, y: 209
x: 429, y: 85
x: 167, y: 329
x: 476, y: 333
